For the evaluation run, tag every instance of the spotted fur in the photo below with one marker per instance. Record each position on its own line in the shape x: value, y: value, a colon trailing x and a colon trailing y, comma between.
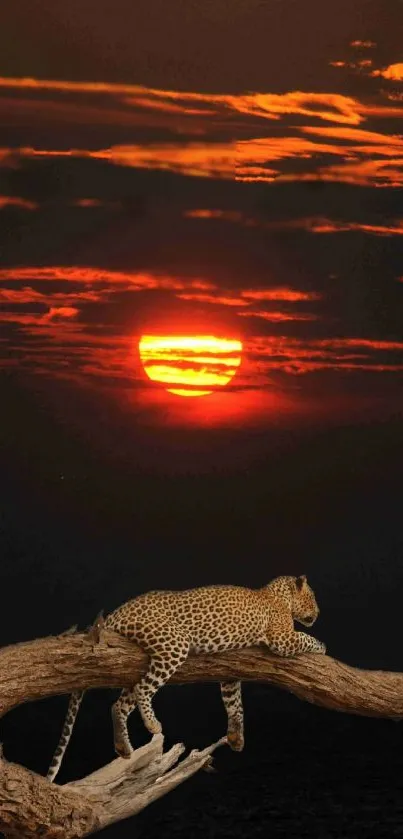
x: 169, y: 625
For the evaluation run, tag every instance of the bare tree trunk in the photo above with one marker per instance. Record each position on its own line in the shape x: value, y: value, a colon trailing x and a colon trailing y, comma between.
x: 30, y: 806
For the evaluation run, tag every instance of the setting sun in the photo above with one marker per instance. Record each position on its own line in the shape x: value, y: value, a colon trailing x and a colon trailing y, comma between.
x: 191, y: 365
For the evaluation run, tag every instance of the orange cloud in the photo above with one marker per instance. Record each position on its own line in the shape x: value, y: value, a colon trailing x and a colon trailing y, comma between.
x: 323, y: 347
x: 261, y: 149
x: 327, y: 226
x: 27, y: 294
x: 88, y: 202
x: 87, y: 275
x: 13, y: 201
x: 296, y: 357
x: 312, y: 224
x: 317, y: 224
x: 56, y: 312
x: 256, y: 174
x: 99, y: 284
x: 167, y: 107
x: 214, y: 160
x: 289, y: 294
x: 367, y: 343
x: 394, y: 72
x: 363, y: 44
x: 22, y: 295
x: 209, y: 160
x: 368, y: 170
x: 40, y: 319
x: 390, y: 143
x: 301, y: 368
x: 247, y: 160
x: 329, y: 106
x: 360, y: 65
x: 226, y: 215
x: 278, y: 317
x: 247, y: 296
x: 377, y: 173
x: 21, y: 318
x: 217, y: 300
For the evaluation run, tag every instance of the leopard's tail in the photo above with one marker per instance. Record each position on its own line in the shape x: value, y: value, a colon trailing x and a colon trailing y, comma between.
x: 72, y: 711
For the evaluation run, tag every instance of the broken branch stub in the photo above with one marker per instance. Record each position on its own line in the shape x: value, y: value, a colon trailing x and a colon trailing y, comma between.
x: 31, y: 806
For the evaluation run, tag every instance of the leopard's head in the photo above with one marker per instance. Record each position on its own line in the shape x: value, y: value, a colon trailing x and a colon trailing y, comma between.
x: 305, y: 609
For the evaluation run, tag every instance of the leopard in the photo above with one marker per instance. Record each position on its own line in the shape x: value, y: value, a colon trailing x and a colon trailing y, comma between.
x: 171, y: 625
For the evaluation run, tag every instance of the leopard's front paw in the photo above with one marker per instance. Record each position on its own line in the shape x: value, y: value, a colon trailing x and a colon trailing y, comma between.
x: 321, y: 648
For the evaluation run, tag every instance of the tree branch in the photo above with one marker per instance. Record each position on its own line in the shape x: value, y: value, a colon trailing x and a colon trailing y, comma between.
x: 31, y: 806
x: 59, y: 665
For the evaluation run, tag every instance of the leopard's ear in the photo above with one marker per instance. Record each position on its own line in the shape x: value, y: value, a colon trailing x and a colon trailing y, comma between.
x: 299, y: 582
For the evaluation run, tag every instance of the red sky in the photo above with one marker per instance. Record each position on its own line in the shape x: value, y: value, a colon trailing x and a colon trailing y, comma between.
x: 254, y: 190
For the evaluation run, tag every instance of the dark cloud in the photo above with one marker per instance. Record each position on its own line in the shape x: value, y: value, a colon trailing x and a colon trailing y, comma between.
x: 277, y: 42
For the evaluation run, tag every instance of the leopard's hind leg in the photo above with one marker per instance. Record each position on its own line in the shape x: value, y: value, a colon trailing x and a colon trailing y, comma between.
x: 120, y: 712
x: 166, y: 655
x: 232, y: 699
x: 168, y: 648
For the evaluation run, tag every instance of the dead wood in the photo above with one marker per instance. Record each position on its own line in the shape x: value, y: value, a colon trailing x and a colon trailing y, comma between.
x: 31, y: 806
x: 58, y: 665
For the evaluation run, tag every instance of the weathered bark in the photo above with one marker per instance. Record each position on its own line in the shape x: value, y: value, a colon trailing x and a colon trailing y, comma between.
x: 58, y: 665
x: 30, y: 806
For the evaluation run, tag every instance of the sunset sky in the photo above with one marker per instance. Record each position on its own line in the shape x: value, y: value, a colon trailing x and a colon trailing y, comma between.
x: 247, y: 184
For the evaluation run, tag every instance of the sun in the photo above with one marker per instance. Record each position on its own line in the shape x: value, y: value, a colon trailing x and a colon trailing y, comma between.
x: 190, y: 365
